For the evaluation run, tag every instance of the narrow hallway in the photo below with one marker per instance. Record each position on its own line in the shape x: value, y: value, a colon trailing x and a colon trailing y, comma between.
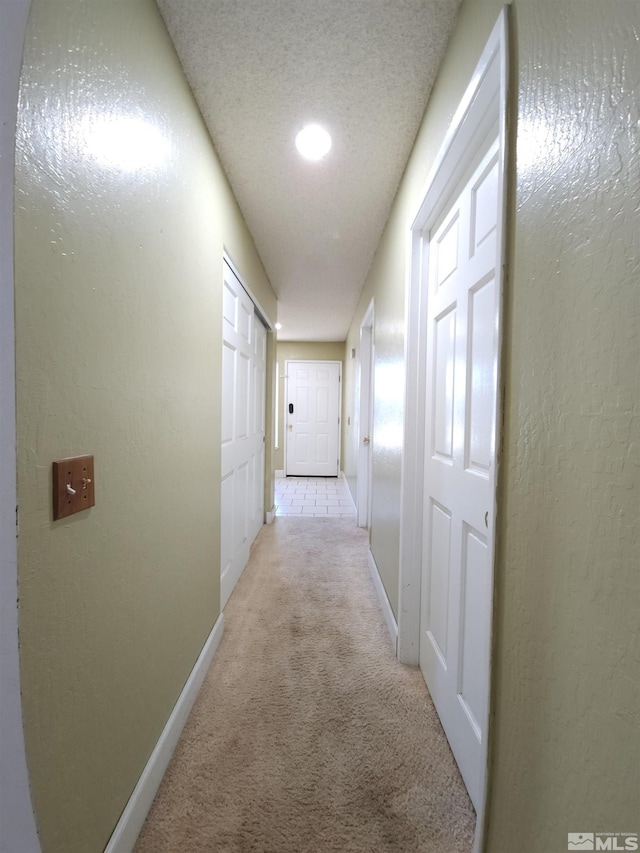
x: 308, y: 735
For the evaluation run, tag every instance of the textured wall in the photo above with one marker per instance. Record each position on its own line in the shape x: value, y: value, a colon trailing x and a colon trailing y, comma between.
x: 303, y: 351
x: 122, y: 211
x: 566, y: 681
x: 567, y: 690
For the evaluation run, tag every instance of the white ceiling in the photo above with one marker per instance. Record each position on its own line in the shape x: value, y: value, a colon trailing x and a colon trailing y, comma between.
x: 260, y: 70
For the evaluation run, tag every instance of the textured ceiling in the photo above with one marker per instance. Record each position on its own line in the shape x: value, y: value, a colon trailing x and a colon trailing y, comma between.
x: 260, y: 70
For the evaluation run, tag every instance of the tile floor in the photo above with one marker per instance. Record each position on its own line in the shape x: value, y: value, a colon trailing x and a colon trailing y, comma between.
x: 313, y: 497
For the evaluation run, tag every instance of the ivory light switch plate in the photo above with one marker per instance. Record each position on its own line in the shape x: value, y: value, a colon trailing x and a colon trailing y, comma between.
x: 73, y: 486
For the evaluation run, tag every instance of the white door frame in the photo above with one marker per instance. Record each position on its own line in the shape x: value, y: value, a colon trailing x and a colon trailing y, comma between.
x: 286, y: 397
x: 482, y: 108
x: 365, y: 417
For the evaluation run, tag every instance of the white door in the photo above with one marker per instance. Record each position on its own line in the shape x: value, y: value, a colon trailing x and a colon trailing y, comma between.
x: 312, y: 418
x: 460, y: 456
x: 365, y: 420
x: 244, y: 343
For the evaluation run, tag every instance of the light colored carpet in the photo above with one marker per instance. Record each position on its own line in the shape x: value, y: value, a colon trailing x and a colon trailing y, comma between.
x: 308, y: 735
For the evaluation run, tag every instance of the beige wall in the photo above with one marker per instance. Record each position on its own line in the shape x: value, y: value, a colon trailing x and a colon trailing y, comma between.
x: 302, y: 351
x: 566, y: 677
x: 118, y: 338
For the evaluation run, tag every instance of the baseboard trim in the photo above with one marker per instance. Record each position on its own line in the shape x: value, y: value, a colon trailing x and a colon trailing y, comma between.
x: 271, y: 514
x: 279, y: 472
x: 353, y: 503
x: 387, y: 611
x: 133, y: 817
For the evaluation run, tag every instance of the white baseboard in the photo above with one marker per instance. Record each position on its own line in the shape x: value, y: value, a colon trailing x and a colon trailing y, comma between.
x: 353, y: 503
x: 389, y: 618
x: 133, y: 817
x: 271, y: 514
x: 279, y: 472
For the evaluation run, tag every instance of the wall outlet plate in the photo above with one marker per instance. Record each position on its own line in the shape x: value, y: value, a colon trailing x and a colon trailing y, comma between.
x: 73, y: 486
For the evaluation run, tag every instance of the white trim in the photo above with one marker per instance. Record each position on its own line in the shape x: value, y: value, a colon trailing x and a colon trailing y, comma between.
x: 128, y: 828
x: 482, y: 108
x: 383, y: 599
x: 279, y: 472
x: 271, y: 514
x: 341, y: 476
x: 17, y: 824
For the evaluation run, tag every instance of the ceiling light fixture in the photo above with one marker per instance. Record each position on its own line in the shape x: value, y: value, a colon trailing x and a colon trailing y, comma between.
x: 278, y: 325
x: 313, y: 142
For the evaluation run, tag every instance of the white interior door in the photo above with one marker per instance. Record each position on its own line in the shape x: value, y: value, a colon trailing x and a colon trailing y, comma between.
x: 244, y: 343
x: 313, y: 418
x: 365, y: 418
x: 460, y: 455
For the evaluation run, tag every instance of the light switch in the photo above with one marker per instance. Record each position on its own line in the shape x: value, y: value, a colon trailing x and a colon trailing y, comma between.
x: 73, y: 486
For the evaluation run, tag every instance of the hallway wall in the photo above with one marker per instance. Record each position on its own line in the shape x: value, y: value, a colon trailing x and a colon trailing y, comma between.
x: 122, y: 212
x: 564, y: 754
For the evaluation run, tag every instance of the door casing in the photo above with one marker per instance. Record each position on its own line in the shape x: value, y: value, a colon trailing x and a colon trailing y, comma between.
x: 483, y: 107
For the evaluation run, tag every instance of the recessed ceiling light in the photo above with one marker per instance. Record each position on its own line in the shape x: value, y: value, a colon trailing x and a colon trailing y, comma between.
x: 278, y: 325
x: 313, y: 142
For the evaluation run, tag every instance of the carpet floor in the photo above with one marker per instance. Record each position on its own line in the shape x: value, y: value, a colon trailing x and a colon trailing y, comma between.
x: 308, y: 735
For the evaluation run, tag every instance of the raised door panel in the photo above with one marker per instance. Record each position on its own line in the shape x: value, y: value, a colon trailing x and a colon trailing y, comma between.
x: 474, y: 630
x: 438, y: 557
x: 442, y: 385
x: 481, y: 366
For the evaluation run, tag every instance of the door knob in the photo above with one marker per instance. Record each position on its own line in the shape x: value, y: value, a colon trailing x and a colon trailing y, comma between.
x: 366, y: 439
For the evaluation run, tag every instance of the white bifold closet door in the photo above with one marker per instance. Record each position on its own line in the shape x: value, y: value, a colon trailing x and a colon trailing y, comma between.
x: 244, y: 346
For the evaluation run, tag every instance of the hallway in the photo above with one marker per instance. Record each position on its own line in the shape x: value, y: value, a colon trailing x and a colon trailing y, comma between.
x: 308, y: 735
x: 117, y: 215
